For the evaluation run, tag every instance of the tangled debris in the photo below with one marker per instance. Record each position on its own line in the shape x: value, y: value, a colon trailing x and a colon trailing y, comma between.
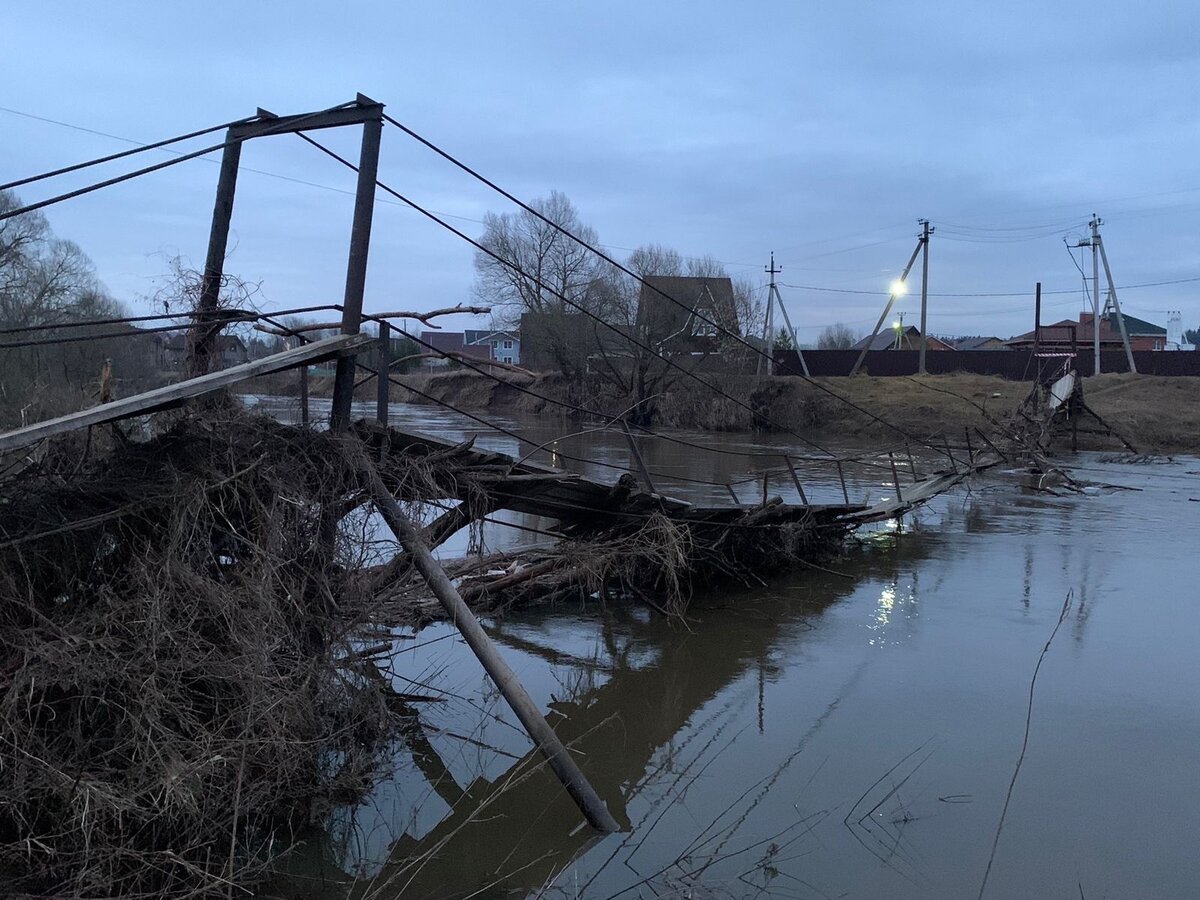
x: 185, y: 677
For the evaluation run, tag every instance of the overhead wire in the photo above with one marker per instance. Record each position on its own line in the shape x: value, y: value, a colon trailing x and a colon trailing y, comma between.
x: 112, y: 157
x: 118, y: 179
x: 692, y: 311
x: 483, y: 249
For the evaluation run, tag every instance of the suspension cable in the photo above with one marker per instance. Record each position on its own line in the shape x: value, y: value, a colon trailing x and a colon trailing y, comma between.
x: 286, y: 126
x: 570, y: 302
x: 141, y: 148
x: 694, y: 311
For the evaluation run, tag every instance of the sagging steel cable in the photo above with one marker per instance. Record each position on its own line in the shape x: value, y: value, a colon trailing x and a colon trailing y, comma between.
x: 118, y: 179
x: 570, y: 302
x: 240, y: 319
x: 694, y: 311
x: 500, y: 429
x: 752, y: 454
x: 229, y: 314
x: 112, y: 157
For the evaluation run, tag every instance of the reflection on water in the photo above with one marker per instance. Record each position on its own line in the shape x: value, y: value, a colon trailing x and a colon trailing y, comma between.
x: 837, y: 733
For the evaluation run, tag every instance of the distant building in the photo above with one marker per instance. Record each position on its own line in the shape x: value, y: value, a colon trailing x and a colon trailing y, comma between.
x: 902, y: 339
x: 1058, y: 337
x: 503, y: 346
x: 1175, y: 335
x: 677, y: 313
x: 979, y: 342
x: 228, y: 350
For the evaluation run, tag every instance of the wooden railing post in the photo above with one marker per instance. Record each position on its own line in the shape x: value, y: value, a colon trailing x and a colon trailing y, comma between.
x: 382, y: 364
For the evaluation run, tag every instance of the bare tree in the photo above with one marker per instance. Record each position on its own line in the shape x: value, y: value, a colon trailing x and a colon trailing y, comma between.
x: 837, y: 337
x: 540, y: 263
x: 44, y: 280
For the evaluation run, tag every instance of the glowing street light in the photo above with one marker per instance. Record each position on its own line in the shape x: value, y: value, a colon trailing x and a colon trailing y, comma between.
x: 899, y: 288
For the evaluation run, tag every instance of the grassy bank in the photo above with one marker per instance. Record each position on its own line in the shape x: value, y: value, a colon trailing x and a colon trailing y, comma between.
x: 1158, y: 414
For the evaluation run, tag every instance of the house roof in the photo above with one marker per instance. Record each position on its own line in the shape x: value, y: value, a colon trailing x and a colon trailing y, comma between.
x: 1058, y: 331
x: 886, y: 338
x: 662, y: 318
x: 1133, y: 325
x: 975, y: 341
x: 476, y: 337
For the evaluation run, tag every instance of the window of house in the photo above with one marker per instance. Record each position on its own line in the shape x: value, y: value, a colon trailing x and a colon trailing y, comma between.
x: 508, y: 345
x: 495, y: 344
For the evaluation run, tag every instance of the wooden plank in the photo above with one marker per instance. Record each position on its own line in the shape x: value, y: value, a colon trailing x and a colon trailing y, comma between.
x: 174, y: 394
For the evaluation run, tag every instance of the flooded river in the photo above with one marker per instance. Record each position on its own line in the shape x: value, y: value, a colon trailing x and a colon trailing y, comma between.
x: 831, y: 734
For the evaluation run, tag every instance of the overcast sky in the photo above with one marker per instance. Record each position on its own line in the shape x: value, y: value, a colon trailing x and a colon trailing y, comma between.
x: 820, y: 131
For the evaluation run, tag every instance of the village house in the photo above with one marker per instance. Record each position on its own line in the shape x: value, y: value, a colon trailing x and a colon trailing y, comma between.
x: 902, y: 339
x: 980, y: 342
x: 676, y: 312
x: 503, y: 346
x: 1061, y: 336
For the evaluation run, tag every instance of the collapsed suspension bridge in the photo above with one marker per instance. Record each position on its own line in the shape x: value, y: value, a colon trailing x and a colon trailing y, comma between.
x: 629, y: 537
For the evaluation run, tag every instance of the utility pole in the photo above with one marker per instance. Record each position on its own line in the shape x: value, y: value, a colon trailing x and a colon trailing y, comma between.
x: 899, y: 287
x: 769, y: 326
x: 1112, y: 295
x: 1095, y: 226
x: 925, y: 233
x: 773, y: 297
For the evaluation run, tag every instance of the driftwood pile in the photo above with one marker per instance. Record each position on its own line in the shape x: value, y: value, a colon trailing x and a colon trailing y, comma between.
x: 185, y: 677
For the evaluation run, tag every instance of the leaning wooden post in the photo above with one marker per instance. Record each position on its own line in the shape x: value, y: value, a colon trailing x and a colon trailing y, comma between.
x: 842, y: 478
x: 766, y: 477
x: 733, y: 495
x: 203, y: 328
x: 506, y: 680
x: 895, y: 477
x: 383, y: 383
x: 643, y: 471
x: 356, y: 267
x: 304, y: 395
x: 796, y: 479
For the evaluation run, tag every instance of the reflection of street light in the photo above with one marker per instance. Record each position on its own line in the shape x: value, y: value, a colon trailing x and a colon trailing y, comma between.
x: 899, y: 288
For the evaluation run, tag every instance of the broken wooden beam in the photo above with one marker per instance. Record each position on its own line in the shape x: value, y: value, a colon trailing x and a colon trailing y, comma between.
x: 175, y: 394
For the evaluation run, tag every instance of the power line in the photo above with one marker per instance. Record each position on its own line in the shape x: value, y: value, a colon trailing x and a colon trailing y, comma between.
x: 564, y: 298
x: 1026, y: 293
x: 692, y: 311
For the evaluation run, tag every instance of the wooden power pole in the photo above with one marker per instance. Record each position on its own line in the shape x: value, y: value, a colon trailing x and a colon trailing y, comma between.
x: 925, y: 232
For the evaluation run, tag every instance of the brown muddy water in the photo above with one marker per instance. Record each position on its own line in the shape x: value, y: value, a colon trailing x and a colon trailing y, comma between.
x: 822, y: 736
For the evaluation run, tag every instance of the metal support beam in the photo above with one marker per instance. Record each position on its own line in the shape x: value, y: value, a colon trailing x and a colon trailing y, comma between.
x: 356, y: 267
x: 886, y: 310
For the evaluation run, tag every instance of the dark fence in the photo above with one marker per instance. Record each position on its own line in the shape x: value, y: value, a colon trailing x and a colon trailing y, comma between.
x: 1015, y: 365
